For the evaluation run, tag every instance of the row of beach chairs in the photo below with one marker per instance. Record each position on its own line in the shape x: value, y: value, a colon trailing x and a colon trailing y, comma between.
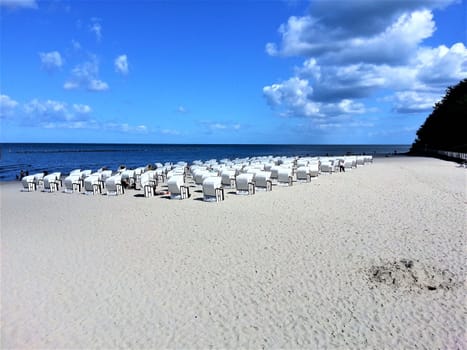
x: 245, y: 175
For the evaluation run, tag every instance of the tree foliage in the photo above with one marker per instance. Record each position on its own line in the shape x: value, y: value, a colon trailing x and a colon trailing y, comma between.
x: 445, y: 128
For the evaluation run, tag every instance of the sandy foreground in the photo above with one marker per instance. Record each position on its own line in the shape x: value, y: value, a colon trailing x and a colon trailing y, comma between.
x: 371, y: 258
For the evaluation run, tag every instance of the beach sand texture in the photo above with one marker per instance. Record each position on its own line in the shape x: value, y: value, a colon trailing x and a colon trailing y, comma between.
x: 370, y: 258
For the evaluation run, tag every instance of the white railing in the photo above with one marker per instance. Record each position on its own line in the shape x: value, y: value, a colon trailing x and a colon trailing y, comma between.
x: 456, y: 155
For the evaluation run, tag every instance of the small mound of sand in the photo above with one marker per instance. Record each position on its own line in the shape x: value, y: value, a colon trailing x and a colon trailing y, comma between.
x: 411, y: 275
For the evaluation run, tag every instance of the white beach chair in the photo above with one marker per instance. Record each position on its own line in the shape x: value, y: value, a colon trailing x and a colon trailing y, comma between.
x: 28, y: 183
x: 92, y: 184
x: 73, y: 183
x: 149, y: 183
x: 104, y: 175
x: 39, y: 180
x: 114, y: 185
x: 245, y: 183
x: 228, y: 178
x: 284, y: 176
x: 314, y: 168
x: 327, y: 166
x: 200, y: 174
x: 263, y: 181
x: 348, y: 163
x: 303, y: 174
x: 177, y: 188
x: 212, y: 189
x: 52, y: 182
x: 129, y: 176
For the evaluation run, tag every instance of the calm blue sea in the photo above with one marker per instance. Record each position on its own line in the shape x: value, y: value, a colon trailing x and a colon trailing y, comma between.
x: 64, y: 157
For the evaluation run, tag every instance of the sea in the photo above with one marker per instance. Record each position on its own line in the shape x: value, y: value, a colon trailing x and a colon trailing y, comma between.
x: 64, y: 157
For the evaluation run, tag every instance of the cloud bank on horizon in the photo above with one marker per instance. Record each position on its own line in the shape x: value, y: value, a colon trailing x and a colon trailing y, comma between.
x: 355, y: 71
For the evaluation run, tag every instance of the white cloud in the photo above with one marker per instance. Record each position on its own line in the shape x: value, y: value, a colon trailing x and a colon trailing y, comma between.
x: 52, y: 114
x: 57, y: 114
x: 121, y: 64
x: 7, y: 106
x: 96, y: 28
x: 97, y: 85
x: 215, y: 126
x: 83, y: 109
x: 170, y: 132
x: 347, y: 58
x: 125, y: 127
x: 414, y: 101
x: 85, y: 76
x: 76, y: 45
x: 70, y: 85
x: 293, y: 94
x: 308, y: 37
x: 181, y: 109
x: 442, y: 65
x: 17, y: 4
x: 51, y: 60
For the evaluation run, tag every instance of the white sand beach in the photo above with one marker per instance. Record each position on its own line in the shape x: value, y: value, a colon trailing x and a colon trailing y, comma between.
x: 372, y: 258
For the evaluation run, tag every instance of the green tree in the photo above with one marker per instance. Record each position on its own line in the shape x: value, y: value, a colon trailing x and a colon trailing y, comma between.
x: 445, y: 128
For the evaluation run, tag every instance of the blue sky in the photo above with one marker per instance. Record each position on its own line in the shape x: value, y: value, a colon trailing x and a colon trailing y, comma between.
x: 325, y: 71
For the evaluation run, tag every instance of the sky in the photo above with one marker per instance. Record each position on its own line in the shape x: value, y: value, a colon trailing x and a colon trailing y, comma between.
x: 225, y: 71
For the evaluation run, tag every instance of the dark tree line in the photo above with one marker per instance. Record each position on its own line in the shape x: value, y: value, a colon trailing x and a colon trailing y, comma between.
x: 446, y: 127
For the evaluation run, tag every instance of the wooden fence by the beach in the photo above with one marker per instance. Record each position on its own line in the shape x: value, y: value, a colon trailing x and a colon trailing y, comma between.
x: 450, y: 154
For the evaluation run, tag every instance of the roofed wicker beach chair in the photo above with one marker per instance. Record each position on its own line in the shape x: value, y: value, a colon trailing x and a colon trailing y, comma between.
x: 199, y: 175
x: 72, y: 182
x: 39, y: 180
x: 327, y: 166
x: 149, y: 183
x: 314, y: 168
x: 245, y: 183
x: 285, y: 176
x: 303, y: 174
x: 28, y: 183
x: 360, y: 160
x: 177, y: 188
x: 104, y: 175
x: 263, y: 181
x: 114, y: 185
x: 129, y: 176
x: 228, y: 178
x: 92, y: 184
x: 349, y: 162
x: 52, y: 182
x: 212, y: 189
